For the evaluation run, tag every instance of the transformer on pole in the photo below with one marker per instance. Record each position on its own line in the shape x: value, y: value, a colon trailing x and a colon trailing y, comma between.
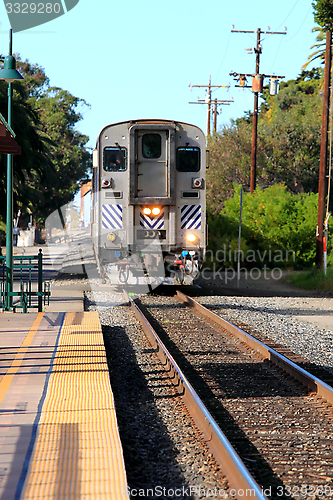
x: 257, y: 86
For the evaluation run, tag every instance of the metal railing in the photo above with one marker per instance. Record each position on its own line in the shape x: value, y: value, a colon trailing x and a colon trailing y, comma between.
x: 28, y: 270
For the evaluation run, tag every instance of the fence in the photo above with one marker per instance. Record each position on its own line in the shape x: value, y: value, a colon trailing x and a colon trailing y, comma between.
x: 28, y: 270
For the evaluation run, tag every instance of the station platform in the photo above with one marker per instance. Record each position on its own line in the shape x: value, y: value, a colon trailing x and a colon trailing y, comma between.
x: 59, y: 437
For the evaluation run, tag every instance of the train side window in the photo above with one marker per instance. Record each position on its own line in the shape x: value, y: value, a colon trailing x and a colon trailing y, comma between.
x: 188, y: 159
x: 114, y: 159
x: 151, y: 145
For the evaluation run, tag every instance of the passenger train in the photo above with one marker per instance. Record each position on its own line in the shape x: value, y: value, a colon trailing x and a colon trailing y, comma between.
x: 149, y: 206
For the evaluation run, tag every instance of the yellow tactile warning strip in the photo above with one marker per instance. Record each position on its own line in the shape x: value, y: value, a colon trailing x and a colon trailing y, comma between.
x: 17, y: 361
x: 77, y: 453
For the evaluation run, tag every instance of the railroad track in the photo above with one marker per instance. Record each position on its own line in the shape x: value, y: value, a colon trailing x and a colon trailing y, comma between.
x: 276, y: 416
x: 317, y: 371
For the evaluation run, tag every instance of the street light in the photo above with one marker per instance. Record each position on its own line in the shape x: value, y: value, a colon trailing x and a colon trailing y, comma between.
x: 9, y: 73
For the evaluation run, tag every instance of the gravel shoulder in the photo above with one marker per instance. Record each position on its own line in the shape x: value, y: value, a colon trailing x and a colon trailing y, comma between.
x: 301, y: 320
x: 309, y: 307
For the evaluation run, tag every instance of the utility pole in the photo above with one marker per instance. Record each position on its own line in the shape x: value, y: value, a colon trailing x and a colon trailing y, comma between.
x: 255, y: 121
x: 322, y: 186
x: 215, y: 116
x: 217, y: 102
x: 257, y: 87
x: 208, y: 99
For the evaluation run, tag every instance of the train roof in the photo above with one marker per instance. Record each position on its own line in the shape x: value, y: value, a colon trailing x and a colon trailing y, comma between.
x: 146, y: 121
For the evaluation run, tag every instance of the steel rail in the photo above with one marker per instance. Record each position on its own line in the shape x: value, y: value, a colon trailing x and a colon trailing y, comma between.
x: 313, y: 383
x: 226, y: 457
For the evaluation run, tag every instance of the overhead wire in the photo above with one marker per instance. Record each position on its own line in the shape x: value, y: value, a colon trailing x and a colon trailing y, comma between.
x: 290, y: 39
x: 224, y: 56
x: 283, y: 22
x: 301, y: 25
x: 277, y: 53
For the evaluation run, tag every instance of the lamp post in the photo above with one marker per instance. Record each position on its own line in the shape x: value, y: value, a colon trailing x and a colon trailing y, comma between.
x: 9, y: 73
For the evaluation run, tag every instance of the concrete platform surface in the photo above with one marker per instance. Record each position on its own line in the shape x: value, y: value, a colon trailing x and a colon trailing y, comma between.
x: 59, y: 437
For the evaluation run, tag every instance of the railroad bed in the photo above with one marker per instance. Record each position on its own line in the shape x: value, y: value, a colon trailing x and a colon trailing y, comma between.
x: 283, y: 435
x: 163, y: 450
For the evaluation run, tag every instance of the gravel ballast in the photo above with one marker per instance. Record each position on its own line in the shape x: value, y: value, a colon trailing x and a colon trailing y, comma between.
x: 161, y: 445
x: 277, y: 318
x: 164, y: 454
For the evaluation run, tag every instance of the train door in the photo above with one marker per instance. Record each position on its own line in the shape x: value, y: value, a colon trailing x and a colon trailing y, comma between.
x: 152, y: 164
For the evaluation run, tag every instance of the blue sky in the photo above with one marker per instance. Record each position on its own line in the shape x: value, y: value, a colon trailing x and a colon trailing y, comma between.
x: 133, y: 59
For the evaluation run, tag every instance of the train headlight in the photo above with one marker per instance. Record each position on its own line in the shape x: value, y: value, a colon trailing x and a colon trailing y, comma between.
x: 156, y: 211
x: 191, y: 237
x: 112, y: 237
x: 151, y: 211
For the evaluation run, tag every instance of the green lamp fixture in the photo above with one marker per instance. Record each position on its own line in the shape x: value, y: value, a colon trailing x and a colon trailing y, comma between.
x: 9, y: 71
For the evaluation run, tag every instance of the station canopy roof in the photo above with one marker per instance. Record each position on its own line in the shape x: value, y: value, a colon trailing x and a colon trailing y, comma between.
x: 8, y: 145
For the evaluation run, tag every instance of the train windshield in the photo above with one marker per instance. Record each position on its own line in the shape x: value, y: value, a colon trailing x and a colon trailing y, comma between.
x: 188, y: 159
x: 114, y: 159
x: 151, y: 145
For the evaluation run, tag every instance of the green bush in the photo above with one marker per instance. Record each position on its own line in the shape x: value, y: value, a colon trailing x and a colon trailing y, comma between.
x: 278, y: 229
x: 313, y: 280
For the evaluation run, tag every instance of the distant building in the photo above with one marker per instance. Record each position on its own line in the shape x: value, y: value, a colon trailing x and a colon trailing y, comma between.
x: 85, y: 203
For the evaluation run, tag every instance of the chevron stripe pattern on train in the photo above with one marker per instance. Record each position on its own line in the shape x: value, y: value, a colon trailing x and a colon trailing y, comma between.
x: 152, y: 222
x: 112, y: 216
x: 190, y: 217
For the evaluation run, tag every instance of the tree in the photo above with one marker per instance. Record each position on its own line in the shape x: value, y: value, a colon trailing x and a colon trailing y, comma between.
x: 230, y: 155
x: 323, y: 13
x: 319, y: 46
x: 289, y: 128
x: 33, y: 160
x: 54, y: 155
x: 288, y: 144
x: 277, y: 229
x: 71, y: 160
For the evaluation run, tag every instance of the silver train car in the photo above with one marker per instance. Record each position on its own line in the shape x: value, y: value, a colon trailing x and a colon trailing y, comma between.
x: 149, y: 206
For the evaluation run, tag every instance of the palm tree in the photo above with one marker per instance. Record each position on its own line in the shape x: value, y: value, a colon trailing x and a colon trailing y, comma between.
x: 320, y: 46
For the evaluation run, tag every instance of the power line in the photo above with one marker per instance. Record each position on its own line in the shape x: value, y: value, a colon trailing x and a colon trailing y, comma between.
x: 225, y: 54
x: 291, y: 38
x: 289, y: 13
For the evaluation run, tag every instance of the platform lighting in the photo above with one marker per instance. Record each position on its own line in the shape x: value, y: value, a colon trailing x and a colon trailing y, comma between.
x: 9, y: 73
